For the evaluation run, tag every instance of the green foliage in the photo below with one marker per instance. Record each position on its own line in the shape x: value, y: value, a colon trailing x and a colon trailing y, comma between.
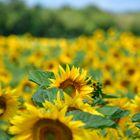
x: 99, y: 96
x: 41, y: 78
x: 53, y: 52
x: 97, y: 90
x: 21, y: 101
x: 113, y: 112
x: 46, y: 94
x: 136, y: 118
x: 4, y: 125
x: 138, y: 125
x: 3, y: 130
x: 78, y: 60
x: 4, y: 135
x: 90, y: 120
x: 95, y: 73
x: 15, y: 68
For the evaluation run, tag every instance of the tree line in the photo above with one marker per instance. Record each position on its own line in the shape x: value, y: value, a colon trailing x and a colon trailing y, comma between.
x: 18, y: 18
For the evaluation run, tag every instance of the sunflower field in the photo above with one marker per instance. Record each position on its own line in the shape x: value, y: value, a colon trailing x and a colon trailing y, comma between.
x: 86, y: 88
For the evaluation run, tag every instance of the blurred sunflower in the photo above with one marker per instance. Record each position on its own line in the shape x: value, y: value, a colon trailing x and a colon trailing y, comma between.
x: 73, y: 81
x: 8, y: 103
x: 50, y: 65
x: 5, y: 76
x: 134, y: 105
x: 26, y: 89
x: 50, y: 124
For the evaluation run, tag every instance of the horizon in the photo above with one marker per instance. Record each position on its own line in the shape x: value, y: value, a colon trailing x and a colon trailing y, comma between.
x: 107, y: 5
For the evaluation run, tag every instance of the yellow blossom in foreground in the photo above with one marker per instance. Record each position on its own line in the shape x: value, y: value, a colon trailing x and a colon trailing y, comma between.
x: 41, y: 124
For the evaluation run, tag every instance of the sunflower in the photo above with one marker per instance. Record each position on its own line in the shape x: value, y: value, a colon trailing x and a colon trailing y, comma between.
x: 134, y: 105
x: 112, y: 134
x: 50, y: 65
x: 8, y: 104
x: 5, y: 76
x: 74, y: 103
x: 26, y: 89
x: 73, y: 81
x: 46, y: 124
x: 120, y: 102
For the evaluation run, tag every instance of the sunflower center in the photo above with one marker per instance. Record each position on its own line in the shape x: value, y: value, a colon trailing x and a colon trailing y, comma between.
x: 131, y: 71
x: 72, y: 108
x: 2, y: 105
x: 47, y: 129
x: 107, y: 82
x: 49, y: 136
x: 69, y: 87
x: 27, y: 87
x: 50, y: 66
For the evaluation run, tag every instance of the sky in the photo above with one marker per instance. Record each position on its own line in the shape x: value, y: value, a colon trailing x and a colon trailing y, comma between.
x: 109, y: 5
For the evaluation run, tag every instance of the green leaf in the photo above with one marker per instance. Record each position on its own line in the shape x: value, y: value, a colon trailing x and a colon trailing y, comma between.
x: 4, y: 125
x: 109, y: 96
x: 15, y: 69
x: 79, y: 58
x: 98, y: 101
x: 21, y: 101
x: 128, y: 132
x: 119, y: 114
x: 53, y: 52
x: 113, y: 112
x: 108, y: 110
x: 95, y: 73
x: 90, y: 120
x: 4, y: 135
x: 97, y: 93
x: 138, y: 125
x: 103, y: 46
x: 46, y: 94
x: 136, y: 117
x: 40, y: 77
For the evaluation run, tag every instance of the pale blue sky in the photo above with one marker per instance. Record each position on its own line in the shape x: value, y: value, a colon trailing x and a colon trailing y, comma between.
x: 110, y: 5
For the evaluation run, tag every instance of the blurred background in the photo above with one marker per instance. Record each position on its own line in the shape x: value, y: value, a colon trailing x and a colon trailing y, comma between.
x: 67, y: 18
